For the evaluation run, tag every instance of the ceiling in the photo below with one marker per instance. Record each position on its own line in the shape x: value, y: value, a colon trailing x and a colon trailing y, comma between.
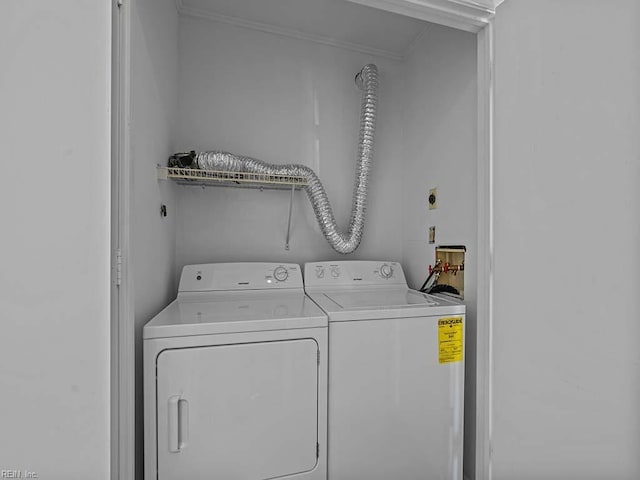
x: 336, y: 22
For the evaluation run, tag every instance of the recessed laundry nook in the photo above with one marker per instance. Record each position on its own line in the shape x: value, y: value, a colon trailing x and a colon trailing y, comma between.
x: 330, y: 134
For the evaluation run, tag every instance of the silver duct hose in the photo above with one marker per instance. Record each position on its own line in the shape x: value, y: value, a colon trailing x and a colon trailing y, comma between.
x: 367, y: 81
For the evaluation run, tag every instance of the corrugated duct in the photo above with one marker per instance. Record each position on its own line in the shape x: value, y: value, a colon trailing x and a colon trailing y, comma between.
x: 347, y: 242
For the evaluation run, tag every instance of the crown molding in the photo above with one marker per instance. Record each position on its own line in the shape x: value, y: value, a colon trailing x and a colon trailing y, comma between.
x: 469, y: 15
x: 285, y: 32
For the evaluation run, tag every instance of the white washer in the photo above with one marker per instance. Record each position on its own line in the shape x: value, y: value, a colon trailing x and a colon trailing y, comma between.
x: 235, y: 377
x: 396, y: 374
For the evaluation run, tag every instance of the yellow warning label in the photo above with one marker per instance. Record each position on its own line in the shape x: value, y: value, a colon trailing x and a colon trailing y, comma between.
x: 450, y: 339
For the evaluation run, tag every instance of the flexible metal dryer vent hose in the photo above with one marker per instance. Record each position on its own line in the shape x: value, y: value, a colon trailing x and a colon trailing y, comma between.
x: 367, y: 81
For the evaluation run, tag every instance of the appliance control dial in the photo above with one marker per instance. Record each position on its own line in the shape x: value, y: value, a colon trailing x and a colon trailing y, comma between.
x: 319, y: 272
x: 280, y: 274
x: 386, y: 271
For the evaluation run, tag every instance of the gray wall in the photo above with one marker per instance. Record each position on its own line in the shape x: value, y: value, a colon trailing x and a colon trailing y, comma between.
x: 55, y: 101
x: 439, y: 149
x: 567, y: 230
x: 154, y: 80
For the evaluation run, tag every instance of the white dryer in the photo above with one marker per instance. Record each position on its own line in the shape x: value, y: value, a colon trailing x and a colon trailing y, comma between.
x: 396, y: 374
x: 235, y: 373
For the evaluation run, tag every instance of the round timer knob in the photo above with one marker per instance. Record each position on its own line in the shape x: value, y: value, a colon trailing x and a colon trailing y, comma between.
x: 280, y: 274
x: 386, y: 271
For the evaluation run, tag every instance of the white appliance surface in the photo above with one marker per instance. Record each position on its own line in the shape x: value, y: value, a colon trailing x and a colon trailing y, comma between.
x: 369, y: 303
x: 362, y: 290
x: 240, y: 297
x: 235, y: 312
x: 395, y: 408
x: 251, y: 410
x: 235, y: 373
x: 396, y: 298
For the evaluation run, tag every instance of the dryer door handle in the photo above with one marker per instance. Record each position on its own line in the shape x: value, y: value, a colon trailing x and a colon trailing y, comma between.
x: 178, y: 428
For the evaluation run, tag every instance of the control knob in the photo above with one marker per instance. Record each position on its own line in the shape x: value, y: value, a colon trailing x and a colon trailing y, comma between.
x: 280, y: 274
x: 386, y: 271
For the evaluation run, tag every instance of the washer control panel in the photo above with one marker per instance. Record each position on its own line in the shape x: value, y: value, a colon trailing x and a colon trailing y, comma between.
x: 214, y: 277
x: 354, y: 272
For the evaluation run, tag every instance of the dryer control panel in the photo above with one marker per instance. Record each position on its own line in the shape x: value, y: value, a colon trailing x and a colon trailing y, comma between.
x: 214, y: 277
x: 356, y: 272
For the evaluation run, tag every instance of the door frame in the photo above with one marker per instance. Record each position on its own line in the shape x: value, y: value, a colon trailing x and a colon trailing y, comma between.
x: 475, y: 16
x: 122, y: 331
x: 485, y: 209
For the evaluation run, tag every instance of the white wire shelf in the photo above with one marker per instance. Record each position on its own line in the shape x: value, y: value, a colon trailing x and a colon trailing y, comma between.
x: 190, y: 176
x: 206, y: 178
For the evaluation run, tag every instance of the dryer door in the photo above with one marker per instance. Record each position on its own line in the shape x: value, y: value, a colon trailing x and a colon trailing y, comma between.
x: 245, y: 411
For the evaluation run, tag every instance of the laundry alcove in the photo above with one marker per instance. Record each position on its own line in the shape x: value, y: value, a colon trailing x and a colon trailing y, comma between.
x: 275, y: 81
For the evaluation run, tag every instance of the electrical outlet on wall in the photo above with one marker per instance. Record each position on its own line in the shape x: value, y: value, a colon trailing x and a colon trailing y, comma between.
x: 433, y: 198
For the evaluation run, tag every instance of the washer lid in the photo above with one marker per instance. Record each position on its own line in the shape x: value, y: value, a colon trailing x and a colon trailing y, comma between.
x: 380, y: 299
x: 215, y: 313
x: 377, y: 303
